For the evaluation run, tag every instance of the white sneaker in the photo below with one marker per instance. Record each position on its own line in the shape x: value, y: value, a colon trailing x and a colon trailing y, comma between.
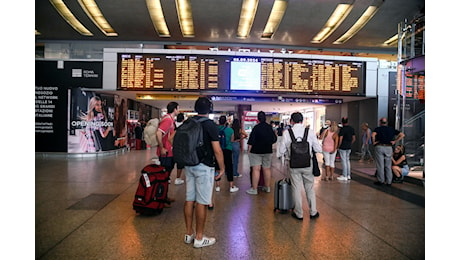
x: 266, y: 189
x: 205, y: 241
x: 178, y: 181
x: 342, y: 178
x: 349, y: 177
x: 252, y: 191
x: 217, y: 189
x: 189, y: 238
x: 234, y: 189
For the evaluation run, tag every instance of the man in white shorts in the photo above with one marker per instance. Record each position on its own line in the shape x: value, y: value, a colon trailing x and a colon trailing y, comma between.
x: 200, y: 179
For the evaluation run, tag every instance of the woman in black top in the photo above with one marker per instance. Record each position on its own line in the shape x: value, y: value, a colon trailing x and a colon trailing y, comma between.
x: 399, y: 164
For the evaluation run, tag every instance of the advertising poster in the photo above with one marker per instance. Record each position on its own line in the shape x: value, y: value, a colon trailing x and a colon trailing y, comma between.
x: 73, y: 116
x: 97, y: 122
x: 53, y: 96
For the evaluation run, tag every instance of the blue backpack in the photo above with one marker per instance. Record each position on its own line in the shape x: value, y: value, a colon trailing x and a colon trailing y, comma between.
x: 222, y: 138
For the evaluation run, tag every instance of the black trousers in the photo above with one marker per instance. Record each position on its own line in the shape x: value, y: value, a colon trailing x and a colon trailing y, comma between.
x: 228, y: 161
x: 168, y: 163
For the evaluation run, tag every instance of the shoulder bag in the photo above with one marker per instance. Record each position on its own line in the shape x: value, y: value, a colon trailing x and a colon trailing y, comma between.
x: 316, y: 170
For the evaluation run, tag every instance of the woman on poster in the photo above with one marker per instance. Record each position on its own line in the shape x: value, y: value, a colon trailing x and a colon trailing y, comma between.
x: 97, y: 127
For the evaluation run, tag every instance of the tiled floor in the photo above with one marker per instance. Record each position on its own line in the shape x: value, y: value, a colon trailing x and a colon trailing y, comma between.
x: 84, y: 211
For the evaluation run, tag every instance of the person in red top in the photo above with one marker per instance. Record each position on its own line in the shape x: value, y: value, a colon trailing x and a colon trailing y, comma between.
x: 164, y: 132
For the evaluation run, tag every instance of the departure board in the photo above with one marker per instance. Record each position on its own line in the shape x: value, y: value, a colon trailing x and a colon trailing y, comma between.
x: 168, y: 72
x: 236, y: 74
x: 312, y: 75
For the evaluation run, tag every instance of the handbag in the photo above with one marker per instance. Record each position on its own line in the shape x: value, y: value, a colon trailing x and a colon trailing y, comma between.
x: 83, y: 142
x: 316, y: 170
x: 104, y: 143
x: 97, y: 140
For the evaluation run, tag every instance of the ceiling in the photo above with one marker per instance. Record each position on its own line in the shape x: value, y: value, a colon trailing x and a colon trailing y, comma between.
x: 216, y: 22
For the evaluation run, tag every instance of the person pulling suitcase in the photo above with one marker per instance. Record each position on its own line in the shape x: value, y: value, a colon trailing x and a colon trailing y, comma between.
x: 301, y: 170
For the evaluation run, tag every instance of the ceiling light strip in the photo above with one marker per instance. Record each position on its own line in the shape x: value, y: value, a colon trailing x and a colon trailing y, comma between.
x: 340, y: 13
x: 62, y: 9
x: 184, y: 12
x: 274, y: 20
x: 362, y: 21
x: 392, y: 41
x: 158, y: 18
x: 248, y: 12
x: 92, y: 11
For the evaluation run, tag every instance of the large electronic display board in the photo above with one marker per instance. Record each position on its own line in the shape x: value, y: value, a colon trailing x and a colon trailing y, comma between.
x: 177, y: 72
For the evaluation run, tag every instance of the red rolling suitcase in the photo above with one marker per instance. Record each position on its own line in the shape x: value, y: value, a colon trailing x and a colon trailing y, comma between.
x: 152, y: 190
x: 261, y: 178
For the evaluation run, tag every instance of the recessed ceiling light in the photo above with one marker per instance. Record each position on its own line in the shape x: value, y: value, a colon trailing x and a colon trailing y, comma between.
x: 392, y: 41
x: 68, y: 16
x: 184, y: 12
x: 274, y: 20
x: 337, y: 17
x: 248, y: 12
x: 157, y: 17
x: 362, y: 21
x: 92, y: 11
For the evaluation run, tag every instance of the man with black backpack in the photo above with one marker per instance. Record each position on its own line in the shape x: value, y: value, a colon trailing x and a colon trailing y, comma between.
x: 300, y: 164
x: 200, y: 177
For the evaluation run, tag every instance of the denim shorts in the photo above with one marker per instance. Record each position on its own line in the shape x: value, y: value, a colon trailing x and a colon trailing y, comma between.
x: 199, y: 181
x: 405, y: 170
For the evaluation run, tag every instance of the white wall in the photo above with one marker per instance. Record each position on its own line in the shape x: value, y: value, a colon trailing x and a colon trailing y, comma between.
x: 382, y: 92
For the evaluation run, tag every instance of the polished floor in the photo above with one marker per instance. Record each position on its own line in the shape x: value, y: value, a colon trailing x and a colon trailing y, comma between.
x: 83, y: 210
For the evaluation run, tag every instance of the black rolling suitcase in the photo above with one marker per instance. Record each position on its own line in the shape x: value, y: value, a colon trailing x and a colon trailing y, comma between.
x: 152, y: 190
x: 283, y: 196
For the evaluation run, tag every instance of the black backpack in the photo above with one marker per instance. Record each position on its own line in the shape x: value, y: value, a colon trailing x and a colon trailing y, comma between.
x: 188, y: 142
x: 300, y: 151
